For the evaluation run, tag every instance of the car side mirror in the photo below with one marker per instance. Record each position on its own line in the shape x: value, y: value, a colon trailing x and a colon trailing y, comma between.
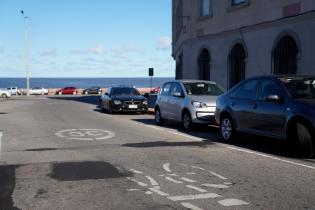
x: 273, y: 98
x: 178, y: 94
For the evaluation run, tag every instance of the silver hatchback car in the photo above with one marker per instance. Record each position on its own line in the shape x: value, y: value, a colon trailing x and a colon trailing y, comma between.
x: 188, y: 102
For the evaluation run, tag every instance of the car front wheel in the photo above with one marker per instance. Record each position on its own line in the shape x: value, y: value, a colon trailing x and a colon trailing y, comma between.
x: 304, y: 138
x: 227, y: 128
x: 187, y: 121
x: 3, y: 95
x: 158, y: 117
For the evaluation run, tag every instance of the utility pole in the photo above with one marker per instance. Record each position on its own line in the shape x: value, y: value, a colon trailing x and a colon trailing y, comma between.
x: 26, y: 57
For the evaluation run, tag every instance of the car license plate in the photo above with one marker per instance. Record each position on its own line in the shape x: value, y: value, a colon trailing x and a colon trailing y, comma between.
x: 133, y: 106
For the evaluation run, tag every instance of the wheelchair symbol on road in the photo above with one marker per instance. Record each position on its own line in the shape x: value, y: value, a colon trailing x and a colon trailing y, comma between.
x: 85, y: 134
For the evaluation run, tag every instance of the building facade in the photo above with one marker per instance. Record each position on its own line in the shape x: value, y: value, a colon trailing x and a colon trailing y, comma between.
x: 229, y: 40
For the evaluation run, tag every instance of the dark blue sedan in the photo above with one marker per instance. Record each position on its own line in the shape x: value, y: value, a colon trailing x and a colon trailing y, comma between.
x: 274, y: 106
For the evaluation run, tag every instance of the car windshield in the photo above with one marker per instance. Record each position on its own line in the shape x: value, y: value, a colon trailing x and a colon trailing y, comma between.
x: 202, y: 88
x: 300, y: 87
x: 125, y: 91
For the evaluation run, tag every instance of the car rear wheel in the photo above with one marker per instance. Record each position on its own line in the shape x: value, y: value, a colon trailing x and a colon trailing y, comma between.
x: 4, y: 95
x: 227, y: 128
x: 304, y: 138
x: 158, y: 117
x: 187, y: 121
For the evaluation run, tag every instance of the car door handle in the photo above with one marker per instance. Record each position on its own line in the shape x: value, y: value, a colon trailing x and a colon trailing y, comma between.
x: 255, y: 106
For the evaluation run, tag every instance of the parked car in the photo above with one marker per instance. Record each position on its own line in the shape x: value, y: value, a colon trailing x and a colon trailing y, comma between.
x: 275, y: 106
x: 67, y: 90
x: 123, y: 99
x: 14, y: 90
x: 187, y: 101
x: 92, y: 90
x: 4, y: 93
x: 37, y: 91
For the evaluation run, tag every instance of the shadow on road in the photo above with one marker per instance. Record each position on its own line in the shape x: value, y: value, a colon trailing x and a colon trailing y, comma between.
x: 212, y: 134
x: 92, y: 99
x: 202, y: 144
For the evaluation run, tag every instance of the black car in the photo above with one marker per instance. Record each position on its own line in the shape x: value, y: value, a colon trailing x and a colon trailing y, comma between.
x: 92, y: 90
x: 123, y: 99
x: 275, y: 106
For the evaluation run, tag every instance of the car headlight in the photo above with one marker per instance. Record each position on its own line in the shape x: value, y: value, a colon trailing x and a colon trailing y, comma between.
x: 198, y: 104
x: 145, y: 102
x: 117, y: 102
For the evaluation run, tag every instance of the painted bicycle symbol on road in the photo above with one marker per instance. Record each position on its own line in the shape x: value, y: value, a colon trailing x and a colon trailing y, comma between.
x: 85, y: 134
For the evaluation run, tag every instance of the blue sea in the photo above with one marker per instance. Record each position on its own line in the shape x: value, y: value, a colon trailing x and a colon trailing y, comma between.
x: 83, y: 82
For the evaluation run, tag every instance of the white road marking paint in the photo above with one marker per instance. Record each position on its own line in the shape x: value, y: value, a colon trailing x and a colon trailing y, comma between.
x: 158, y: 192
x: 131, y: 190
x: 157, y: 187
x: 191, y: 173
x: 185, y: 135
x: 218, y: 175
x: 190, y: 206
x: 152, y: 181
x: 166, y: 167
x: 232, y: 202
x: 227, y: 183
x: 198, y: 168
x: 194, y: 197
x: 172, y: 174
x: 271, y: 157
x: 196, y: 188
x: 219, y: 186
x: 173, y: 180
x: 187, y: 180
x: 139, y: 183
x: 135, y: 171
x: 85, y: 134
x: 148, y: 192
x: 154, y: 127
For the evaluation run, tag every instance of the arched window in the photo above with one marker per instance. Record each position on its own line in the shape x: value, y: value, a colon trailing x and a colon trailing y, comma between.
x: 204, y: 65
x: 237, y: 64
x: 285, y: 56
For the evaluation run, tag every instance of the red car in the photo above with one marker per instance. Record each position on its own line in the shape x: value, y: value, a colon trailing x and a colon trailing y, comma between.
x: 67, y: 90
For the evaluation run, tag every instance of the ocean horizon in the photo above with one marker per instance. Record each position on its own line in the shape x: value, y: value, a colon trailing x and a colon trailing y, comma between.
x: 59, y: 82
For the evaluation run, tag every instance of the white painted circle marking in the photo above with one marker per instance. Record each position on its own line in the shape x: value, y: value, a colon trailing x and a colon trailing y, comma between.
x: 85, y: 134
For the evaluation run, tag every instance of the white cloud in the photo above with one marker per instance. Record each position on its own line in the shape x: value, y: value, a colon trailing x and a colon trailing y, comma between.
x: 50, y: 52
x: 99, y: 49
x: 163, y: 43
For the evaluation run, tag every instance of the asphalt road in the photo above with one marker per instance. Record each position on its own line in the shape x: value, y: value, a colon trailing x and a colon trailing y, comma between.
x: 62, y: 153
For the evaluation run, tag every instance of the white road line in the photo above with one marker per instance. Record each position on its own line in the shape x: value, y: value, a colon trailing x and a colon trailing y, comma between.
x: 139, y: 183
x: 218, y: 175
x: 185, y: 135
x: 194, y: 197
x: 190, y: 206
x: 154, y: 127
x: 131, y: 190
x: 166, y: 167
x: 196, y: 188
x: 152, y: 181
x: 271, y: 157
x: 159, y: 192
x: 197, y: 168
x: 148, y: 192
x: 232, y: 202
x: 219, y: 186
x: 173, y: 180
x: 187, y: 180
x: 135, y: 171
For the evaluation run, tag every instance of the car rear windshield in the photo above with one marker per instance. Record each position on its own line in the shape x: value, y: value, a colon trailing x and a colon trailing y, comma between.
x: 300, y: 87
x: 125, y: 91
x: 202, y: 88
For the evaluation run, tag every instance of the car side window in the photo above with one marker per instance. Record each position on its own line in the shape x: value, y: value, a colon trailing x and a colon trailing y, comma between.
x: 166, y: 89
x: 267, y: 88
x: 246, y: 91
x: 176, y: 88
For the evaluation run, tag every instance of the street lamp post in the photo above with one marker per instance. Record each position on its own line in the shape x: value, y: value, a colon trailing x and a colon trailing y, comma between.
x: 26, y: 52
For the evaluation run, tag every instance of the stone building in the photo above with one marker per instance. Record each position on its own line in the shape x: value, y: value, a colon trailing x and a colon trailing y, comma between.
x: 229, y: 40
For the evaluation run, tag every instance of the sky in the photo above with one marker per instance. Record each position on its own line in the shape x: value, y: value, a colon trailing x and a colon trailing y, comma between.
x: 87, y: 38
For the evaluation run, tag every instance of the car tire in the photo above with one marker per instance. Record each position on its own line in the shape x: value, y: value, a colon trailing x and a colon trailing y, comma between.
x: 304, y: 136
x: 4, y: 95
x: 227, y: 128
x: 158, y: 117
x: 101, y: 107
x: 110, y: 109
x: 187, y: 123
